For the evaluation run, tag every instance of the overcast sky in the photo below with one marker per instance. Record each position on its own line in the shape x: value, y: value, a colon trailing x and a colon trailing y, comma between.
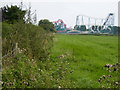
x: 67, y: 10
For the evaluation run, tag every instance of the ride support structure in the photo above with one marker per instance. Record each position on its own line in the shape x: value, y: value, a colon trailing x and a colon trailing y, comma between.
x: 95, y: 25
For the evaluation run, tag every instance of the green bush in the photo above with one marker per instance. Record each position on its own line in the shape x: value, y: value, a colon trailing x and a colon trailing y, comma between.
x: 47, y: 25
x: 34, y: 39
x: 12, y: 14
x: 21, y: 68
x: 7, y: 35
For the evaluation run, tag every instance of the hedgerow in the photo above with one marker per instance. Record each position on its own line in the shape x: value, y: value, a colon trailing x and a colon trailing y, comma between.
x: 34, y: 39
x: 21, y: 63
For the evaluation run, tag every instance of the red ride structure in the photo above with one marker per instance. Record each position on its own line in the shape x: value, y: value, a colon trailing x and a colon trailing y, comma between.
x: 60, y: 26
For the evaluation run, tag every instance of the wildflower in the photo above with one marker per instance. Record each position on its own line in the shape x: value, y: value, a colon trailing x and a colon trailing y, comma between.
x: 109, y: 76
x: 108, y: 65
x: 59, y: 87
x: 114, y: 65
x: 102, y: 86
x: 26, y: 83
x: 104, y: 76
x: 1, y: 82
x: 116, y: 83
x: 71, y: 71
x: 115, y: 69
x: 61, y: 56
x: 99, y: 80
x: 117, y: 63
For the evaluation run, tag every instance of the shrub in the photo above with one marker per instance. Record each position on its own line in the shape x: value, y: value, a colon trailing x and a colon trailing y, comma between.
x: 47, y: 25
x: 21, y: 67
x: 34, y: 39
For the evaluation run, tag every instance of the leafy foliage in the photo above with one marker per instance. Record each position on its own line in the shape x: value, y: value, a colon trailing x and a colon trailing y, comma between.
x: 34, y: 39
x: 22, y: 72
x: 34, y: 44
x: 47, y: 25
x: 12, y: 14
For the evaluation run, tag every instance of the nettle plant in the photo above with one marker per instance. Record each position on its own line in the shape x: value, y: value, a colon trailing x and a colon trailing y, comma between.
x: 111, y: 80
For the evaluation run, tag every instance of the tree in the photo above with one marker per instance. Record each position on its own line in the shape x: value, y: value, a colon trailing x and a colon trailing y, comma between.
x: 47, y: 25
x: 12, y: 14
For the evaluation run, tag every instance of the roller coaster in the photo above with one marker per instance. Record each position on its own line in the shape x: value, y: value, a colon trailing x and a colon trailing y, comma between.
x: 60, y: 26
x: 95, y: 25
x: 89, y: 25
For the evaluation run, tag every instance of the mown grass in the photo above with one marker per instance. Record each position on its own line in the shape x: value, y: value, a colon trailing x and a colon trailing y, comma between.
x: 86, y: 55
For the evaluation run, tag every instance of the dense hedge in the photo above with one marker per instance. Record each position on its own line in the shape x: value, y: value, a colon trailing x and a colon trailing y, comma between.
x: 32, y: 66
x: 21, y: 69
x: 34, y: 39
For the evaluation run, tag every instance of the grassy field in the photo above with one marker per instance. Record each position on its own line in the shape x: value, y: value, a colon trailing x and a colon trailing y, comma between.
x: 86, y: 56
x: 75, y: 61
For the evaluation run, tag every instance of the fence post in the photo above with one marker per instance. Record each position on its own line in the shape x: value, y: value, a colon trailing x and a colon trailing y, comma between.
x: 16, y: 48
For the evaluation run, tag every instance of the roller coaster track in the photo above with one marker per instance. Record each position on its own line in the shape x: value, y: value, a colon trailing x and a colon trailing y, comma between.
x: 98, y: 22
